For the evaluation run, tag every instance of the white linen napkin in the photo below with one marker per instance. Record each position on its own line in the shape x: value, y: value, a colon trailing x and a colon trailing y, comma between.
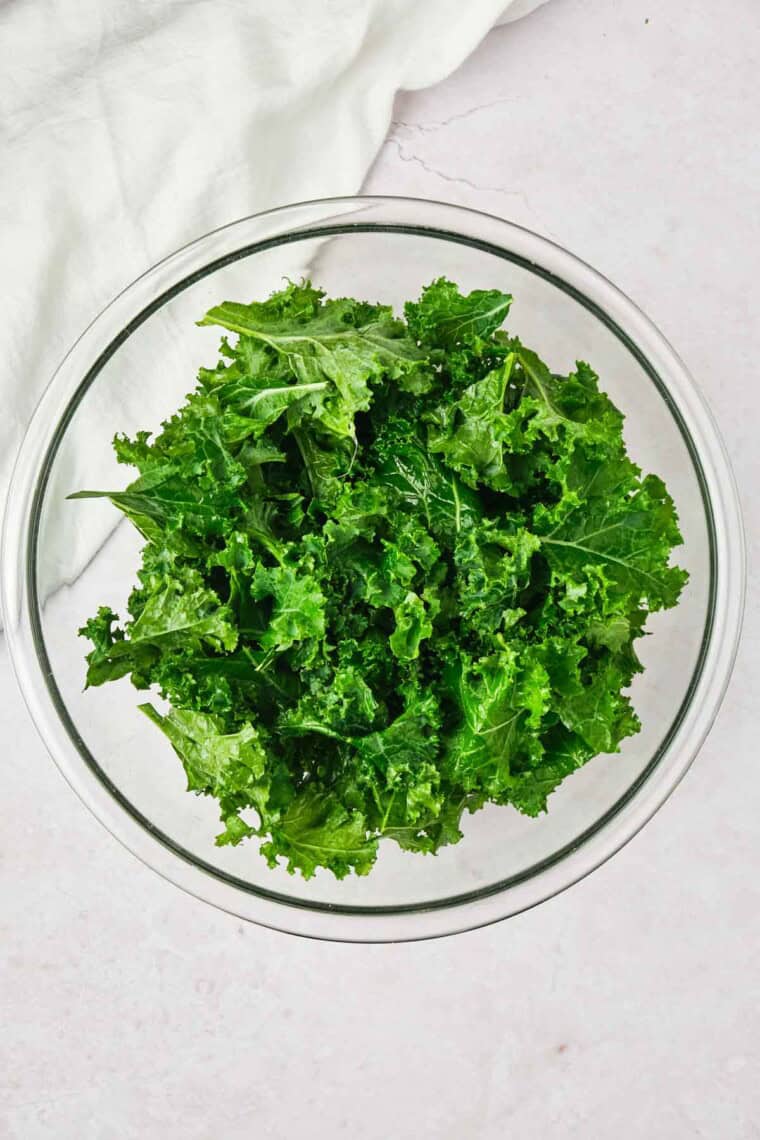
x: 129, y: 129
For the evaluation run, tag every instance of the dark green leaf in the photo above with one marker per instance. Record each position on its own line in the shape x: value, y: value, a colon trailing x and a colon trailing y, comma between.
x: 393, y: 571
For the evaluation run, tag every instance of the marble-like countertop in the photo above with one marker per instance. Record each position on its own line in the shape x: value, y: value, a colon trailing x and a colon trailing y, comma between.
x: 628, y: 1007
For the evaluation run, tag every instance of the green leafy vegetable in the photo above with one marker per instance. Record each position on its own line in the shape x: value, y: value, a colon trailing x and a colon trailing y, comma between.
x: 394, y: 569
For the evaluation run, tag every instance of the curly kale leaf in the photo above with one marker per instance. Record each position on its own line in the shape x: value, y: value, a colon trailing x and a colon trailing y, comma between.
x: 393, y: 570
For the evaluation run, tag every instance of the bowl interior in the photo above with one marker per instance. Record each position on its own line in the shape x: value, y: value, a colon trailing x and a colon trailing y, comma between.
x: 85, y: 558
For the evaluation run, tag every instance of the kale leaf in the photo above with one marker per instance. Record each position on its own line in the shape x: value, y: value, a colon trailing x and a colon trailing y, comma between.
x: 393, y: 570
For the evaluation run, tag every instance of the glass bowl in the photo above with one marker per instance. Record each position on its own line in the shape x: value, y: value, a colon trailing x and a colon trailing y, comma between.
x: 61, y: 559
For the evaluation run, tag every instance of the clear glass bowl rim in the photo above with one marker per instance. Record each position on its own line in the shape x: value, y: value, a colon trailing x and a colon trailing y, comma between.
x: 329, y: 217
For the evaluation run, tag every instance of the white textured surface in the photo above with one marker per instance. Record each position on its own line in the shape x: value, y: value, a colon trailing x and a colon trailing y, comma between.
x: 629, y: 1006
